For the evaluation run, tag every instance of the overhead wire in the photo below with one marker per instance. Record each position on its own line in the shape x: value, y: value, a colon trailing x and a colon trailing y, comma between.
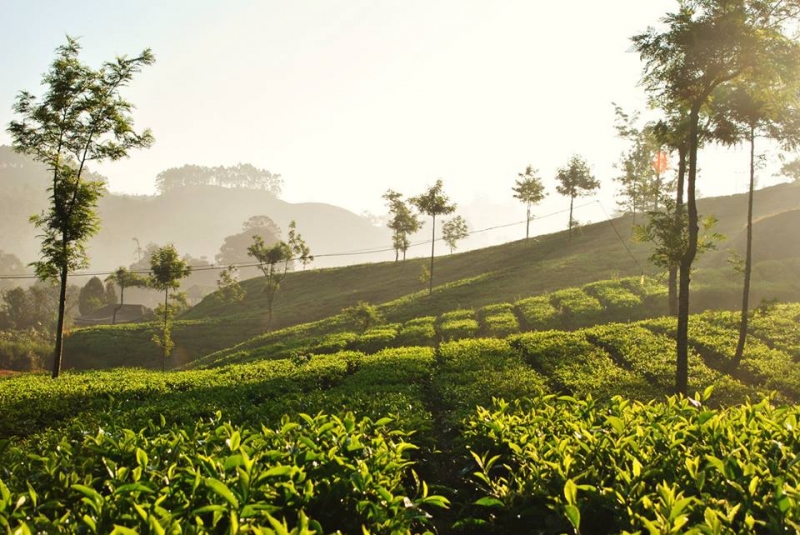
x: 356, y: 252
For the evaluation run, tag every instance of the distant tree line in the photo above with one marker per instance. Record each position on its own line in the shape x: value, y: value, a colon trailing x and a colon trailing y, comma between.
x: 243, y: 175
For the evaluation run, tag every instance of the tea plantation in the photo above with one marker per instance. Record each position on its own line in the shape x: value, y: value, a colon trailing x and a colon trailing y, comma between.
x: 461, y: 423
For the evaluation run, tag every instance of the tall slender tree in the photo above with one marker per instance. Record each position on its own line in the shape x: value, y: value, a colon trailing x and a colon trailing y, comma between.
x: 766, y: 107
x: 81, y: 118
x: 704, y: 45
x: 575, y: 180
x: 273, y: 261
x: 403, y: 223
x: 529, y: 189
x: 433, y: 202
x: 167, y: 269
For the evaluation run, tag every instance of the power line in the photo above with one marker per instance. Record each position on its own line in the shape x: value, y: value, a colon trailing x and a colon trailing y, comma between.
x: 356, y: 252
x: 624, y: 244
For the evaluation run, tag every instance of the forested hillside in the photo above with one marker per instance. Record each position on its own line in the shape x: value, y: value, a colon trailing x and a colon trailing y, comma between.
x: 195, y: 218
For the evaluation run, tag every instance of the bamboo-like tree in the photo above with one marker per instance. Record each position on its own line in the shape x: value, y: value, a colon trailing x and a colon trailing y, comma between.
x: 81, y: 118
x: 167, y: 269
x: 403, y: 223
x: 575, y: 180
x: 529, y: 189
x: 704, y: 45
x: 433, y: 202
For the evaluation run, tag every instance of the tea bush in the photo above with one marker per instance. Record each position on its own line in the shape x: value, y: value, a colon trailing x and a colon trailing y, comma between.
x: 538, y: 314
x: 557, y: 465
x: 577, y: 308
x: 312, y: 474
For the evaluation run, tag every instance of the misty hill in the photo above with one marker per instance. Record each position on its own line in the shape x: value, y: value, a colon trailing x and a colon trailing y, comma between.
x: 504, y: 273
x: 196, y: 219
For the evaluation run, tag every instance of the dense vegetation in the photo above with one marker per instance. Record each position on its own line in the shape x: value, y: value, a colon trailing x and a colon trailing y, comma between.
x: 223, y: 447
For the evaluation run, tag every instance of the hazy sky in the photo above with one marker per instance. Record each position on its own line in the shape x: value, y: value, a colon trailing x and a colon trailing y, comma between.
x: 346, y: 99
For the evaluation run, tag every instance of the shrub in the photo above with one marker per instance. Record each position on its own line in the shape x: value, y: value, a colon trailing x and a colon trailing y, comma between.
x: 376, y: 339
x: 577, y: 309
x: 458, y: 328
x: 538, y: 314
x: 324, y: 474
x: 418, y: 332
x: 335, y: 342
x: 563, y: 465
x: 363, y: 315
x: 620, y: 303
x: 460, y: 314
x: 500, y: 325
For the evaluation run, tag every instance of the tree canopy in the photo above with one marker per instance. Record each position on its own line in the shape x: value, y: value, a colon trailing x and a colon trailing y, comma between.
x: 242, y: 175
x: 81, y: 118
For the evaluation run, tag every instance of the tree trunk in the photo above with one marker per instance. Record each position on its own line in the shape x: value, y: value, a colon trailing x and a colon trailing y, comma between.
x: 118, y: 307
x: 433, y: 242
x: 682, y: 335
x: 528, y: 223
x: 166, y: 304
x: 673, y: 270
x: 571, y: 200
x: 62, y: 302
x: 748, y: 258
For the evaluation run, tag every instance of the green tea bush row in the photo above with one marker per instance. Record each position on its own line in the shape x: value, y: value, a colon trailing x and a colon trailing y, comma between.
x: 573, y: 365
x: 618, y: 301
x: 538, y: 314
x: 652, y: 357
x: 556, y: 465
x: 376, y: 338
x: 312, y: 474
x: 577, y: 309
x: 714, y: 336
x: 472, y: 372
x: 418, y: 332
x: 458, y: 329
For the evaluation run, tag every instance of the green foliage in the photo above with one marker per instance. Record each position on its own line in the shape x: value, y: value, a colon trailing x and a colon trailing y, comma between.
x: 418, y: 332
x: 166, y: 271
x: 335, y: 342
x: 577, y: 309
x: 81, y: 118
x: 667, y: 230
x: 457, y: 329
x: 402, y: 222
x: 474, y: 371
x: 538, y: 313
x: 453, y: 231
x: 92, y: 296
x: 300, y: 250
x: 529, y: 189
x: 376, y: 338
x: 311, y: 474
x: 573, y: 365
x: 619, y: 302
x: 24, y: 350
x: 560, y: 464
x: 498, y: 320
x: 363, y: 315
x: 433, y: 202
x: 230, y: 291
x: 575, y: 180
x: 273, y: 261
